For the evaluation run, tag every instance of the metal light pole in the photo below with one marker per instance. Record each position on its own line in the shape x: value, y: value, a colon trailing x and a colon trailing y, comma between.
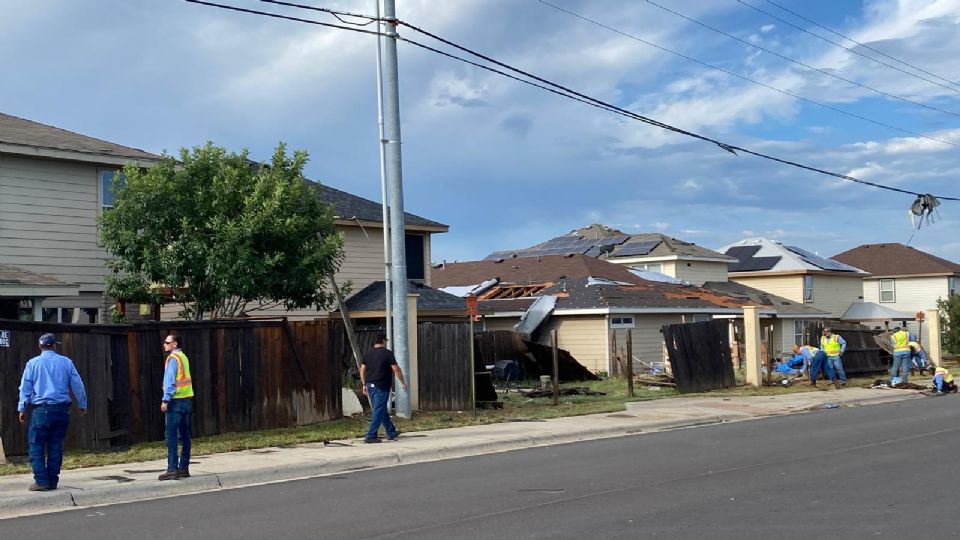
x: 391, y: 109
x: 388, y: 296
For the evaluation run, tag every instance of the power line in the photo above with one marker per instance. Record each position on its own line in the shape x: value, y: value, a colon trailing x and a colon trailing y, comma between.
x: 745, y: 78
x: 566, y: 92
x: 799, y: 63
x: 333, y: 12
x: 864, y: 45
x: 848, y: 49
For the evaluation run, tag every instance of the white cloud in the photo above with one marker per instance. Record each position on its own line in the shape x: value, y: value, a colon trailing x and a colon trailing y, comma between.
x: 767, y: 28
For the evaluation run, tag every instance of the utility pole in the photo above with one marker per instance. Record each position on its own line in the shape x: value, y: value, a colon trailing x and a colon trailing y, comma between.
x: 391, y: 109
x: 388, y: 294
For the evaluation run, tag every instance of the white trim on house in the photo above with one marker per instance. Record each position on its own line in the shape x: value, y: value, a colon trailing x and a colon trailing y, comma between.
x: 39, y: 290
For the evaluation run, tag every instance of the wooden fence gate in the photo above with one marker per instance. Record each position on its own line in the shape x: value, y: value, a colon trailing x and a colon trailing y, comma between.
x: 700, y: 355
x: 863, y: 355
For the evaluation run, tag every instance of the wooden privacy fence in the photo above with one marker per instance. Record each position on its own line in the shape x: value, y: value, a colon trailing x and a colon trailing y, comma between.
x: 247, y: 375
x: 863, y: 355
x: 443, y: 366
x: 700, y: 355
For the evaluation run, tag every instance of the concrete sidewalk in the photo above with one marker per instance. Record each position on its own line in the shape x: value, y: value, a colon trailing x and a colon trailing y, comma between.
x: 138, y: 481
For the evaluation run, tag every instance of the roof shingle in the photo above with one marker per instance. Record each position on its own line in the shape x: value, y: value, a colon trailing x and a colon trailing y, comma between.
x: 896, y: 259
x: 27, y: 133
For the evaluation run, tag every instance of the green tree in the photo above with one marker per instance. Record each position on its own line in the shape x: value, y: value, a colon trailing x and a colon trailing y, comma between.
x: 220, y: 233
x: 950, y: 323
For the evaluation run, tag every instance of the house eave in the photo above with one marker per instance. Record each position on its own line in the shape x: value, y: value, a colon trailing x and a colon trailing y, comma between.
x: 357, y: 222
x: 73, y: 155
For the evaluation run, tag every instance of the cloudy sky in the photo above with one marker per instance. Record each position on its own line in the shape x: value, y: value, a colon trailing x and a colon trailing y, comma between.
x: 507, y: 165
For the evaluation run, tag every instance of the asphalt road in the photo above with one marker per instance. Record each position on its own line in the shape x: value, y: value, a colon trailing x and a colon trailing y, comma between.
x: 843, y: 473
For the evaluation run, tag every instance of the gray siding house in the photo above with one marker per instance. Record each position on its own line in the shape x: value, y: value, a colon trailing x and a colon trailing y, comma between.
x: 53, y: 186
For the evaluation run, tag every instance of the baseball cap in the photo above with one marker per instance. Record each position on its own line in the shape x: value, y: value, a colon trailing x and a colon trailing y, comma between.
x: 48, y: 339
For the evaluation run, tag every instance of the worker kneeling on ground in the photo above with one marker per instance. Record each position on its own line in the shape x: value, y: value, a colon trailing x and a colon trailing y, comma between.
x: 943, y: 381
x: 815, y: 360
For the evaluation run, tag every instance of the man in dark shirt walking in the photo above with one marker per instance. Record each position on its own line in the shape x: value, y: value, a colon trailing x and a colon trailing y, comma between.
x: 376, y: 375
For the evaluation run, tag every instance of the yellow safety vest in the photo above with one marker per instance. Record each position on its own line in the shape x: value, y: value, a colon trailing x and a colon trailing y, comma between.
x: 830, y: 345
x: 183, y: 386
x: 947, y: 376
x: 901, y: 341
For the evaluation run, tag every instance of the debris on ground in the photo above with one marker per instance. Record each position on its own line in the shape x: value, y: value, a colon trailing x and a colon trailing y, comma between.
x: 885, y: 384
x: 569, y: 391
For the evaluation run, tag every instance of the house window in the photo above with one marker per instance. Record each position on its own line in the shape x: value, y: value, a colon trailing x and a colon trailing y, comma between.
x: 807, y: 289
x: 621, y: 322
x: 650, y: 267
x: 798, y: 330
x: 951, y: 285
x: 416, y: 266
x: 107, y: 195
x: 888, y: 291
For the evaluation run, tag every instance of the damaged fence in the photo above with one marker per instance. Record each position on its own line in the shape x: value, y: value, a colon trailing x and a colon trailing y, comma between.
x: 534, y: 359
x: 863, y: 354
x: 700, y: 358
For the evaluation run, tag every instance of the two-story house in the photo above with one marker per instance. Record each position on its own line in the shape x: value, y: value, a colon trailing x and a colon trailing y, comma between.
x: 798, y: 275
x: 55, y: 183
x: 651, y: 252
x: 904, y: 279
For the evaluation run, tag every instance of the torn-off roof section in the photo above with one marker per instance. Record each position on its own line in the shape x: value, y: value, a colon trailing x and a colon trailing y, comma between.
x: 784, y: 306
x: 765, y: 255
x: 646, y: 295
x: 25, y: 134
x: 348, y: 206
x: 896, y: 259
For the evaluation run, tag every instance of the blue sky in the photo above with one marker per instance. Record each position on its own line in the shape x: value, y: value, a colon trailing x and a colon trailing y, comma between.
x: 506, y: 165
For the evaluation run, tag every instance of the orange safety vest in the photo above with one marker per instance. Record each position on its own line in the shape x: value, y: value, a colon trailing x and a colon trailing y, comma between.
x: 183, y: 386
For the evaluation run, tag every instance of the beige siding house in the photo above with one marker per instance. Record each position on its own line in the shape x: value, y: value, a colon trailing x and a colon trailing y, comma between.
x: 51, y: 194
x: 904, y: 279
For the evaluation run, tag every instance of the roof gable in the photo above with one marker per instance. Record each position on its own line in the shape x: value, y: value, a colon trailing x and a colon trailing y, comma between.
x: 349, y: 206
x: 896, y: 259
x: 764, y: 255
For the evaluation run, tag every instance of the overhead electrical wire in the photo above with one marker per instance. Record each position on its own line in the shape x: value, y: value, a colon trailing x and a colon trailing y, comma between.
x: 559, y: 90
x: 848, y: 49
x: 748, y: 79
x: 799, y: 63
x: 864, y: 45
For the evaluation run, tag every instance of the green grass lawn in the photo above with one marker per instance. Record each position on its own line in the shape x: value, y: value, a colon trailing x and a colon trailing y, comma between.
x: 515, y: 407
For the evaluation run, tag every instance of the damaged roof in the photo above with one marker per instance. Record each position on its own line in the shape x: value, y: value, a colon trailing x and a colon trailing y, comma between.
x: 519, y: 270
x: 896, y: 259
x: 372, y: 298
x: 608, y: 243
x: 647, y: 296
x: 784, y: 307
x: 21, y: 136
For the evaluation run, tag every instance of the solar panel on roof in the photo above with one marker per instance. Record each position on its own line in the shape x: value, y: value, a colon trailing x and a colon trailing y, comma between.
x: 820, y: 262
x: 754, y: 264
x: 636, y: 248
x: 612, y: 240
x: 743, y: 252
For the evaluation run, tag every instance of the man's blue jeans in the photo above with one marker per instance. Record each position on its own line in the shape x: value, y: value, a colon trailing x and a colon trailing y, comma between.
x: 835, y: 369
x: 901, y: 363
x: 178, y: 428
x: 379, y: 414
x: 818, y: 364
x: 48, y: 429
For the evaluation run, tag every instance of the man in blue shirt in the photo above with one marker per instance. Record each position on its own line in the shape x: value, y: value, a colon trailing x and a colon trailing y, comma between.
x: 45, y: 387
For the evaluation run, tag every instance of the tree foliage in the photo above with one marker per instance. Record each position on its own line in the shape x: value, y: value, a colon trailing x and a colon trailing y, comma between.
x: 950, y: 323
x: 221, y: 233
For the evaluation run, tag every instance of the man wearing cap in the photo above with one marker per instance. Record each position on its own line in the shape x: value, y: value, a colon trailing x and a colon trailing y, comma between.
x: 177, y: 405
x: 834, y: 346
x: 376, y: 375
x: 45, y: 386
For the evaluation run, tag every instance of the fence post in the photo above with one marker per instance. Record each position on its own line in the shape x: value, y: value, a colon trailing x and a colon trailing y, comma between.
x: 3, y: 456
x: 934, y: 354
x: 556, y: 368
x: 412, y: 348
x: 629, y: 363
x: 751, y: 327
